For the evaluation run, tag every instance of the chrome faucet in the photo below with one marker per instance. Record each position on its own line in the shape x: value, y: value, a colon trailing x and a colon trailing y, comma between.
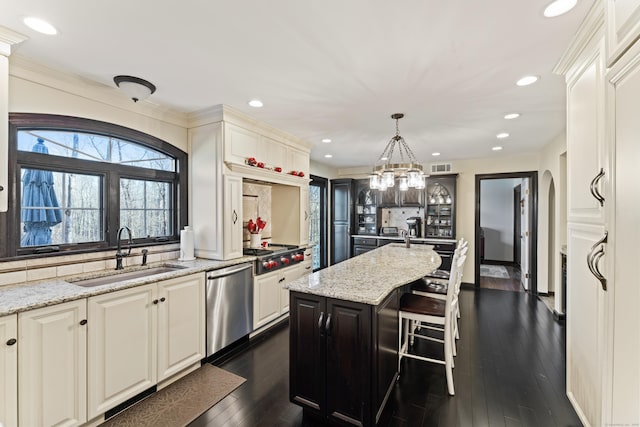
x: 119, y: 253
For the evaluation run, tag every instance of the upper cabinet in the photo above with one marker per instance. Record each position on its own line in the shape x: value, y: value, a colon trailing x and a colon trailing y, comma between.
x: 623, y: 27
x: 587, y: 171
x: 366, y: 212
x: 440, y: 210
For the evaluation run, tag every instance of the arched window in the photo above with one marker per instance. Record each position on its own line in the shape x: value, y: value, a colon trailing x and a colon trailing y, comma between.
x: 77, y: 181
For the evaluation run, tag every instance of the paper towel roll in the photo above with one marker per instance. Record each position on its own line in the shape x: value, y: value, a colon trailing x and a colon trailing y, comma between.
x: 186, y: 244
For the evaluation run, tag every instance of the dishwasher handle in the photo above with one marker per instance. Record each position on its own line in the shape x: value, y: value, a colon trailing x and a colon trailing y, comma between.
x: 216, y: 274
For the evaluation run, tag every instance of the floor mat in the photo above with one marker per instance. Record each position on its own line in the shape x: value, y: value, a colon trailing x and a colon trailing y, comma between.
x: 497, y: 271
x: 181, y: 402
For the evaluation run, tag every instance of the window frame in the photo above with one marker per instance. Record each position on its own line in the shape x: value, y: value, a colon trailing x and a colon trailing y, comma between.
x: 111, y: 174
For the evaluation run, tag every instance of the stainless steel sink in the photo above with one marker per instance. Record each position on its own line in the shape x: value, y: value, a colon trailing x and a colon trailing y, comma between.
x: 121, y: 277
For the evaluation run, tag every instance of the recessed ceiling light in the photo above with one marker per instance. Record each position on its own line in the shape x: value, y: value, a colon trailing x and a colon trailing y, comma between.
x: 502, y: 135
x: 328, y: 156
x: 256, y: 103
x: 497, y: 148
x: 435, y: 154
x: 384, y: 158
x: 559, y: 7
x: 40, y: 25
x: 512, y: 116
x: 326, y: 140
x: 527, y: 80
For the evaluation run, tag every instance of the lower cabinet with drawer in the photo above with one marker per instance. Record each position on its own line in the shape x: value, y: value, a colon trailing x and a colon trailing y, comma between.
x: 141, y: 336
x: 270, y: 299
x: 363, y: 244
x: 9, y: 371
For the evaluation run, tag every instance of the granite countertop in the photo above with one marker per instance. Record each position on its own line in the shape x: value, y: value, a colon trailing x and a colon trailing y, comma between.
x: 370, y: 277
x: 30, y: 295
x: 400, y: 238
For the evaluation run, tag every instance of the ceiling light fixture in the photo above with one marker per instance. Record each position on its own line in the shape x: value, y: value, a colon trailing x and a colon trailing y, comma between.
x: 559, y: 7
x: 497, y: 148
x: 136, y: 88
x: 435, y: 154
x: 40, y: 25
x: 256, y: 103
x: 527, y: 80
x: 502, y: 135
x: 328, y: 156
x: 512, y: 116
x: 326, y: 140
x: 408, y: 170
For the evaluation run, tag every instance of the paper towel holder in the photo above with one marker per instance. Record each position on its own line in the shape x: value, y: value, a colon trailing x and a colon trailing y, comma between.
x: 186, y: 244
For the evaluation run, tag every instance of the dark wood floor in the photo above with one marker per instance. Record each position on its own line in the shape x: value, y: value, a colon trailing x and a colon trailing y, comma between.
x: 510, y: 284
x: 509, y: 372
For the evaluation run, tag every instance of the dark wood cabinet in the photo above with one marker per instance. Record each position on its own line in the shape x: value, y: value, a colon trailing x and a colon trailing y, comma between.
x: 388, y: 198
x: 365, y: 208
x: 343, y: 357
x: 394, y: 198
x: 341, y: 219
x: 412, y: 197
x: 440, y: 207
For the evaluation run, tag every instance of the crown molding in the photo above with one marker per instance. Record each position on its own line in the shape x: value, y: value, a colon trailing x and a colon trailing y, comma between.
x: 8, y: 38
x: 29, y: 70
x: 591, y: 29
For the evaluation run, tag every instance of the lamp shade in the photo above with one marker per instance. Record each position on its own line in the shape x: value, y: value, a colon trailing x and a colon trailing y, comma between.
x: 136, y: 88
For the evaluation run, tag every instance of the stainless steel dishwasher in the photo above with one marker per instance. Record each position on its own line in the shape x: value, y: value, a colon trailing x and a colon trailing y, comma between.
x: 229, y: 305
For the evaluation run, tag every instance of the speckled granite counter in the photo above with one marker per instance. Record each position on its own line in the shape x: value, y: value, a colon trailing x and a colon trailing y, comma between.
x: 370, y: 277
x: 27, y: 296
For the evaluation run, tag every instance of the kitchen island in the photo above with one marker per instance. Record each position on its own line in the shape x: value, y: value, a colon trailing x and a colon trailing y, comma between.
x: 344, y: 332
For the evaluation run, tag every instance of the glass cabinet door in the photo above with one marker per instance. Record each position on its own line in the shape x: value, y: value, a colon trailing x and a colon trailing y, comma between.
x: 440, y: 214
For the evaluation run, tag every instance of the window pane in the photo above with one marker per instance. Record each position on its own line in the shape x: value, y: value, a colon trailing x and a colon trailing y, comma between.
x: 146, y: 207
x: 99, y: 148
x: 60, y: 208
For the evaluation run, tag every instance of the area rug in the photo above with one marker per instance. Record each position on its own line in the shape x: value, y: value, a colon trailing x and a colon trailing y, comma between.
x: 497, y: 271
x: 181, y: 402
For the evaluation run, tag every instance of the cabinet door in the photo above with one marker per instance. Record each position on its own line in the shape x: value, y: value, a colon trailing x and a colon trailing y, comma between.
x: 584, y: 325
x: 388, y: 198
x: 623, y: 26
x: 275, y: 153
x: 307, y: 351
x: 8, y: 371
x: 266, y: 298
x: 52, y: 365
x: 304, y: 215
x: 412, y: 197
x: 622, y: 253
x: 298, y: 161
x: 290, y: 274
x: 348, y: 371
x: 122, y: 346
x: 341, y: 219
x: 232, y: 213
x: 241, y: 143
x: 585, y: 94
x: 181, y: 320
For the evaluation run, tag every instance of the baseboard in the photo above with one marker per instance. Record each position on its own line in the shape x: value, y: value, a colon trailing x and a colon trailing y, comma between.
x: 498, y: 262
x: 466, y: 285
x: 560, y: 317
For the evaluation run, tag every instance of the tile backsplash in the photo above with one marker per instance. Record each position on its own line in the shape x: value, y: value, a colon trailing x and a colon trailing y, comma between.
x: 256, y: 202
x: 397, y: 217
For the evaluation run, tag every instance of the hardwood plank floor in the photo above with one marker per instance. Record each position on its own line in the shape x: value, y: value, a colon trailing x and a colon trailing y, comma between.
x: 509, y: 372
x: 510, y: 284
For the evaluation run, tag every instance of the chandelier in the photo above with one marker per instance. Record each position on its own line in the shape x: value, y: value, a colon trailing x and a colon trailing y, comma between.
x: 407, y: 170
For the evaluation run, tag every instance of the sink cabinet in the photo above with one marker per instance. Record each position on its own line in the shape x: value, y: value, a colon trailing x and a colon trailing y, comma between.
x: 343, y: 357
x: 141, y: 336
x: 9, y: 371
x: 52, y: 361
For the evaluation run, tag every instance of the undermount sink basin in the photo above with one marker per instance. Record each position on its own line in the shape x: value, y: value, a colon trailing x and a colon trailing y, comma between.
x: 121, y: 277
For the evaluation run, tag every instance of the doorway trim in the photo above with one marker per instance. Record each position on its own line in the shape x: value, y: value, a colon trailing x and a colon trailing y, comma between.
x: 533, y: 221
x: 323, y: 184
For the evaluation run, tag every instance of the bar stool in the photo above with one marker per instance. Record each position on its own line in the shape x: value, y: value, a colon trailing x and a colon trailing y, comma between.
x: 424, y: 311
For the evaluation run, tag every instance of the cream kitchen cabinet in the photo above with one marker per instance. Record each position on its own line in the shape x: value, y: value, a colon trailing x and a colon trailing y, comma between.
x: 304, y: 215
x: 9, y: 371
x: 140, y: 336
x: 241, y: 143
x: 298, y: 160
x: 216, y: 202
x: 52, y: 361
x: 270, y: 299
x: 623, y: 27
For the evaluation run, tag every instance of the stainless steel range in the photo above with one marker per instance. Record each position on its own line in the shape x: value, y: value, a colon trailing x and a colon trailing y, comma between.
x: 275, y: 257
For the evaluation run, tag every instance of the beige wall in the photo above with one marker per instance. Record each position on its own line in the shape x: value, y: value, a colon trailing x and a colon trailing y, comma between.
x: 323, y: 170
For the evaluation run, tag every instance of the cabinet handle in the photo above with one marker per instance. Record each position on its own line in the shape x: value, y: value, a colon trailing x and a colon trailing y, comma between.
x: 306, y: 215
x: 594, y: 189
x: 328, y: 325
x: 12, y: 341
x: 235, y: 217
x: 155, y: 301
x: 320, y: 320
x: 83, y: 322
x: 1, y: 188
x: 594, y: 257
x: 307, y: 268
x: 281, y: 280
x: 163, y: 299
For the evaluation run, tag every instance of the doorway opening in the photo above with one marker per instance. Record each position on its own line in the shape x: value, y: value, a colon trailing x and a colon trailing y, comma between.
x: 506, y: 231
x: 318, y: 221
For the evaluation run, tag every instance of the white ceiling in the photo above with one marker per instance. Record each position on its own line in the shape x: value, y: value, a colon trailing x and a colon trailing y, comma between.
x: 329, y: 69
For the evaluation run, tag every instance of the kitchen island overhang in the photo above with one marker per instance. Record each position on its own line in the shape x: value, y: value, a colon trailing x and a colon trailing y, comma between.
x: 344, y: 332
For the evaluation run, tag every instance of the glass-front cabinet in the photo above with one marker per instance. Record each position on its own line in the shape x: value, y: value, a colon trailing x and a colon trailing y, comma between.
x: 440, y: 211
x: 366, y: 218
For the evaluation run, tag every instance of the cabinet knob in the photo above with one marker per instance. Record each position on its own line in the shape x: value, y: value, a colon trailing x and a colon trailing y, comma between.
x: 83, y: 322
x: 281, y: 280
x: 12, y: 341
x: 163, y: 299
x: 155, y: 301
